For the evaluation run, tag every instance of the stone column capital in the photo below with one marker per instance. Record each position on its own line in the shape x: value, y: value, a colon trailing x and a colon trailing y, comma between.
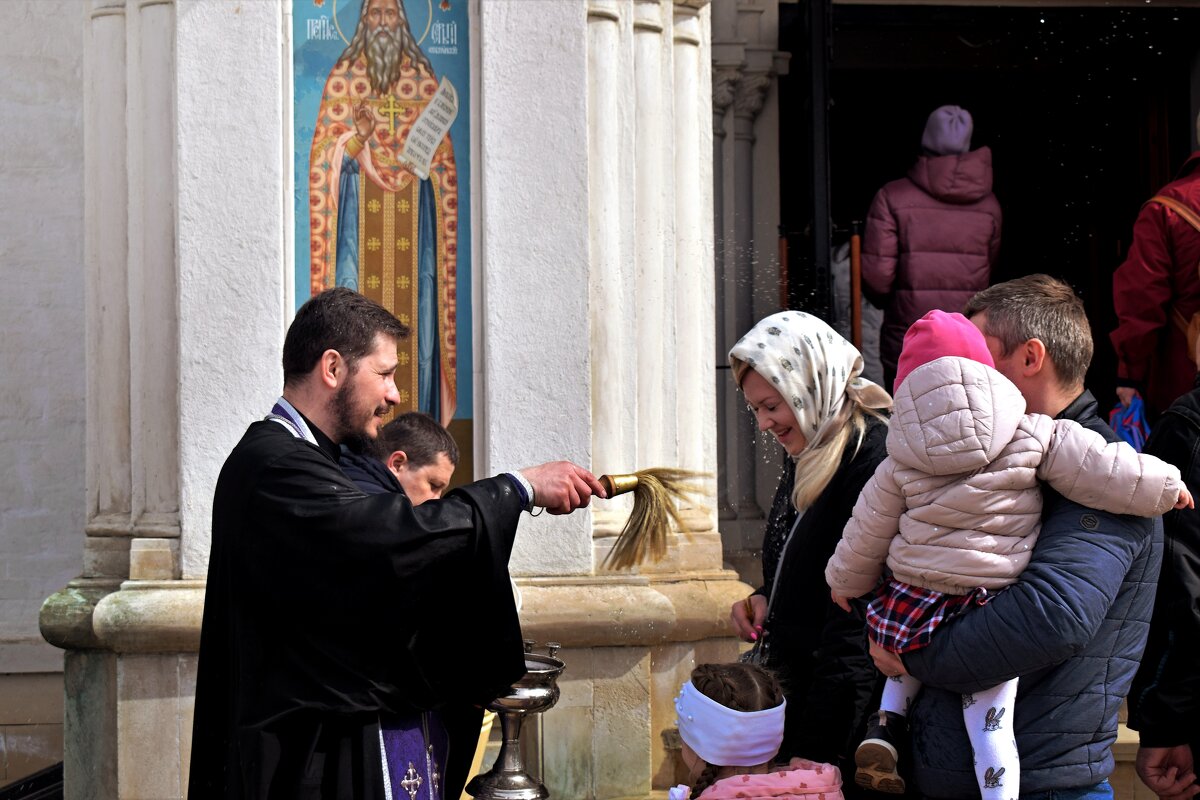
x: 605, y: 10
x: 647, y: 16
x: 750, y: 93
x: 725, y: 78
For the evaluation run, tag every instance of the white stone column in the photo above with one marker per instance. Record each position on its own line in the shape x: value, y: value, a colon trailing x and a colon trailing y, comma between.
x: 695, y: 407
x: 694, y: 306
x: 611, y: 274
x: 234, y: 299
x: 629, y: 638
x: 533, y: 294
x: 109, y: 490
x: 739, y: 282
x: 744, y: 65
x: 90, y: 724
x: 153, y: 293
x: 724, y: 78
x: 655, y: 331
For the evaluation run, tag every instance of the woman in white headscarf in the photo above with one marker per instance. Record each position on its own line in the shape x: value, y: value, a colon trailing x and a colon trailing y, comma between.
x: 802, y: 381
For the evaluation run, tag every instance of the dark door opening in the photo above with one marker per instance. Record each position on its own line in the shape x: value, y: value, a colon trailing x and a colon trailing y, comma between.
x: 1088, y: 111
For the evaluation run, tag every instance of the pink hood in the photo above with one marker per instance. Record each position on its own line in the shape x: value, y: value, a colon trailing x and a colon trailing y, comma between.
x: 953, y: 178
x: 952, y: 416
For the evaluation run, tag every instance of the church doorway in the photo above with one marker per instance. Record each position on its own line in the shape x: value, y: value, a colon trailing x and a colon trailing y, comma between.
x: 1088, y: 110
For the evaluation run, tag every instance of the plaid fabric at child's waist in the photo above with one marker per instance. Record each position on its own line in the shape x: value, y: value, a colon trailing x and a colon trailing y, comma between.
x: 902, y: 617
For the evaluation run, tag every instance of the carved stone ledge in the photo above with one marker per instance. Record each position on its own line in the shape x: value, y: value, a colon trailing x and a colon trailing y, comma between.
x: 630, y: 610
x: 151, y: 617
x: 596, y: 611
x: 66, y: 616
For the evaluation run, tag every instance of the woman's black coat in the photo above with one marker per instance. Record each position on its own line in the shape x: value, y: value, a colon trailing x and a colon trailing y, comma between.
x: 817, y: 650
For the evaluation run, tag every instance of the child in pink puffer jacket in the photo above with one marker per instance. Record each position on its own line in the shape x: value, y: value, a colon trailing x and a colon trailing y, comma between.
x: 731, y: 724
x: 955, y: 510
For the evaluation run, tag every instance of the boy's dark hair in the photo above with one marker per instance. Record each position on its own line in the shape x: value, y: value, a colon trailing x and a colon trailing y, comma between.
x: 419, y: 436
x: 1039, y: 307
x: 336, y: 319
x: 742, y: 687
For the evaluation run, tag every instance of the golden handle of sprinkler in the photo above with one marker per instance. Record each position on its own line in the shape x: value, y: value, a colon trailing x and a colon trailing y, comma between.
x: 618, y: 484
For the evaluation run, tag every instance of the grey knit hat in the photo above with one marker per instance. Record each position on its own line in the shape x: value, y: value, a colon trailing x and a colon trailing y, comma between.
x: 948, y: 131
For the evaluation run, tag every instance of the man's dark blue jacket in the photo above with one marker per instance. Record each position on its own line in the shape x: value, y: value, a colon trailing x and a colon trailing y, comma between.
x: 1073, y: 628
x: 370, y: 474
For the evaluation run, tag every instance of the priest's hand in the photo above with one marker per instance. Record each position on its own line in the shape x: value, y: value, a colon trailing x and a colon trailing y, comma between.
x: 561, y: 487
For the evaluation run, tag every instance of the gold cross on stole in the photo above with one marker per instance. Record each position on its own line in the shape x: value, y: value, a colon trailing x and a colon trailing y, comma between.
x: 391, y: 109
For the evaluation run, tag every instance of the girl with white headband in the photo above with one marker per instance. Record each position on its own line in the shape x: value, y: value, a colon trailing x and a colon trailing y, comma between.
x: 731, y: 723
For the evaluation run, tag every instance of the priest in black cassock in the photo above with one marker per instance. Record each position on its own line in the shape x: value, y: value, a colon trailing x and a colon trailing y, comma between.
x: 324, y: 614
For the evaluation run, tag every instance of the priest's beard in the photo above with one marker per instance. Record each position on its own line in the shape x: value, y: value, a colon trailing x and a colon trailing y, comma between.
x: 354, y: 420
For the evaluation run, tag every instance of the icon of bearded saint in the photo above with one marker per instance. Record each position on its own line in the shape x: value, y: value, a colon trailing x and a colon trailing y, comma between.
x: 376, y: 227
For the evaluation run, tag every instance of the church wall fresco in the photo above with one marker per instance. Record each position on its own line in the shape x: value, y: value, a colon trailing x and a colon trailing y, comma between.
x: 381, y: 147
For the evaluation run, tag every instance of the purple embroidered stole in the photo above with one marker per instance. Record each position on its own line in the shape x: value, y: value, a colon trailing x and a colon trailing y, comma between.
x: 415, y: 748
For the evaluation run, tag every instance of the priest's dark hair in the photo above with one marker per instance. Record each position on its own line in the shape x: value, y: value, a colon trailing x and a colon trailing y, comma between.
x: 336, y: 319
x: 419, y: 436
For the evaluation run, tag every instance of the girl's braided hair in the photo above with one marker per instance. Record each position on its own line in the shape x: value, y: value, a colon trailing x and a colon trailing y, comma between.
x: 742, y: 687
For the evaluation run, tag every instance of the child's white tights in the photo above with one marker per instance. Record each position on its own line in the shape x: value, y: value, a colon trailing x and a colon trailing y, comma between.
x: 988, y: 718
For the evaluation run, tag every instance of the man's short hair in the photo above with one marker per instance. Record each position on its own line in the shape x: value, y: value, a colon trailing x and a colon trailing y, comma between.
x: 419, y: 436
x: 336, y: 319
x: 1039, y: 307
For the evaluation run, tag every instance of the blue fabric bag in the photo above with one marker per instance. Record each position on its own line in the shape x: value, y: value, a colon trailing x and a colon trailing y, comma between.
x: 1129, y: 422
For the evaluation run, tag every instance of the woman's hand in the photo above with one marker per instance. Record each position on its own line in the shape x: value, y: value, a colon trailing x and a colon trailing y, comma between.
x: 842, y: 602
x: 747, y: 616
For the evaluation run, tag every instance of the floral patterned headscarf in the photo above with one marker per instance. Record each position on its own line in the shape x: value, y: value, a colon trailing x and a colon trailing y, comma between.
x: 811, y: 366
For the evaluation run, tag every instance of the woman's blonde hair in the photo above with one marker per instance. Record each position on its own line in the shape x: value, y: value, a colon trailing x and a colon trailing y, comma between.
x: 817, y: 464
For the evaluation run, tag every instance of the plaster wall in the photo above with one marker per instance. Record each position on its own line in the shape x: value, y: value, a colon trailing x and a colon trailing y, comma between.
x: 532, y: 299
x: 234, y: 299
x: 42, y: 308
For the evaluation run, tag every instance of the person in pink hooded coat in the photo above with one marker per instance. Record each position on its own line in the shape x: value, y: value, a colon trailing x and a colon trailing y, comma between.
x: 955, y: 510
x: 932, y: 237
